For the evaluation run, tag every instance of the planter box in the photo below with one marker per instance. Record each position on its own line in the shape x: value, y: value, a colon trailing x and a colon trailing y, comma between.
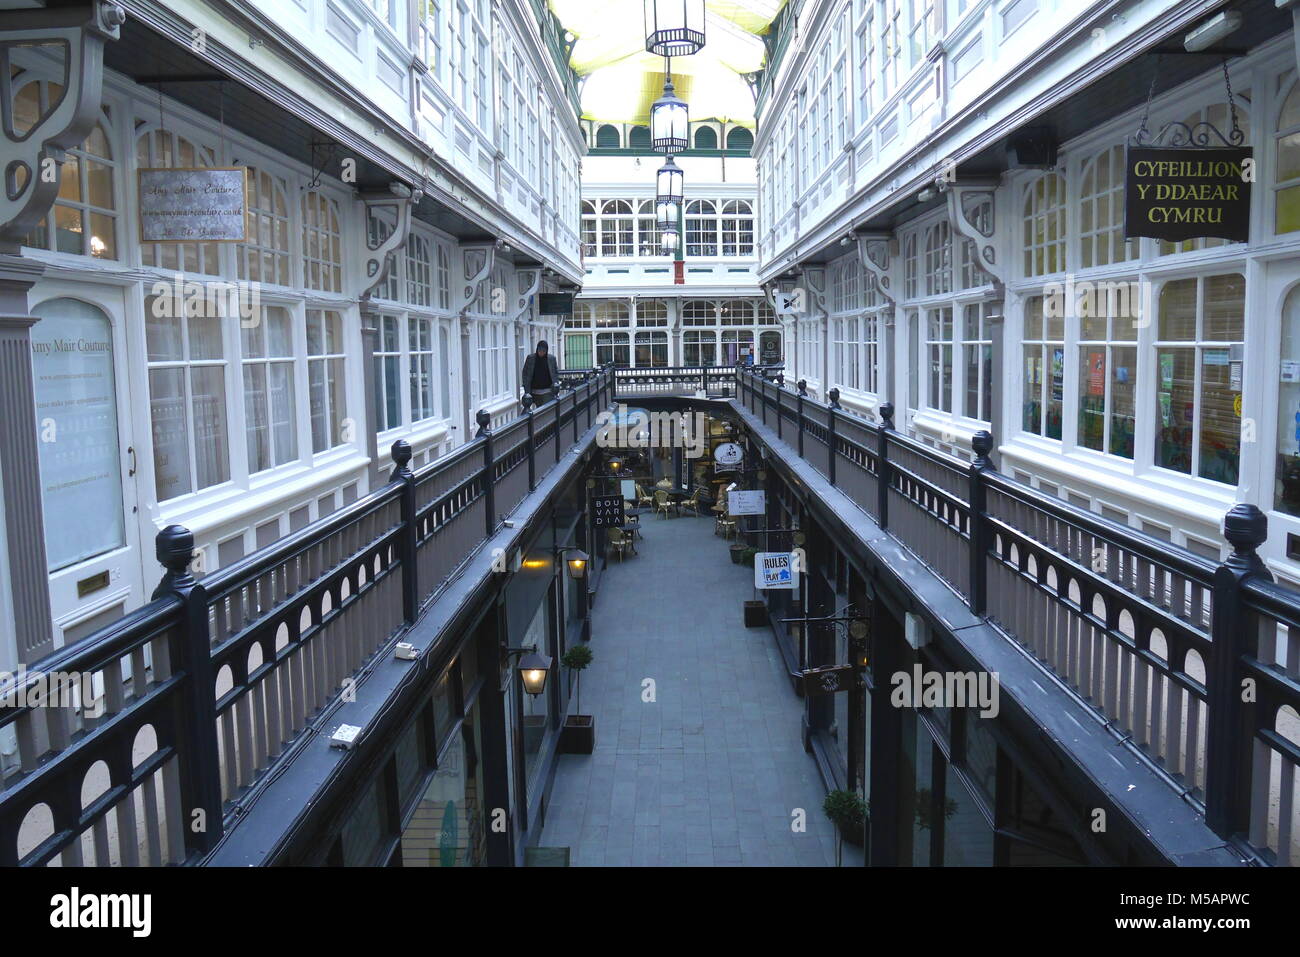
x: 578, y: 736
x: 755, y: 614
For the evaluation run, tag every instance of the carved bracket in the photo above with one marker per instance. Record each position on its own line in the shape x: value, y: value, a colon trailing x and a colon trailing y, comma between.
x: 402, y: 200
x: 34, y: 165
x: 972, y: 213
x: 478, y: 262
x: 530, y: 281
x: 877, y: 262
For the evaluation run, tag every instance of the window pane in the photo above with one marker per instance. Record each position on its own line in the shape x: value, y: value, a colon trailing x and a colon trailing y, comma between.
x: 1220, y: 423
x: 212, y: 465
x: 171, y: 458
x: 1175, y: 408
x: 967, y: 837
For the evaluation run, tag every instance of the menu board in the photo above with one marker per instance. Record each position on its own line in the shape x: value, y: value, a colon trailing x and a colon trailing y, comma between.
x: 76, y: 431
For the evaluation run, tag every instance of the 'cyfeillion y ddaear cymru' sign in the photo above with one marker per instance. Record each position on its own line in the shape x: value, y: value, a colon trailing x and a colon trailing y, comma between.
x: 199, y: 204
x: 1178, y: 194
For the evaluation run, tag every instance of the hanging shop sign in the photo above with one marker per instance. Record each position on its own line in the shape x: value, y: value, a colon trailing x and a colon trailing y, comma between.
x: 607, y: 511
x: 193, y: 204
x: 775, y: 570
x: 555, y: 304
x: 1179, y: 194
x: 752, y: 502
x: 829, y: 680
x: 727, y: 457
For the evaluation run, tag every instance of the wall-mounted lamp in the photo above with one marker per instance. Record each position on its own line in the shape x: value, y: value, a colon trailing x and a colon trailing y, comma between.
x: 577, y: 561
x: 532, y: 667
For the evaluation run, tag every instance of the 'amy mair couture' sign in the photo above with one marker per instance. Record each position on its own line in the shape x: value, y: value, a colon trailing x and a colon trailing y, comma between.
x: 200, y: 204
x: 1178, y: 194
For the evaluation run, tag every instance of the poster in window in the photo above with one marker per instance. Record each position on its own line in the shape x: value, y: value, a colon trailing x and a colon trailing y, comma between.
x: 1096, y: 373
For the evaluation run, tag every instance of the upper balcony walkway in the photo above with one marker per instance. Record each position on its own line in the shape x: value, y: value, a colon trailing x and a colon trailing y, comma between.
x: 190, y: 701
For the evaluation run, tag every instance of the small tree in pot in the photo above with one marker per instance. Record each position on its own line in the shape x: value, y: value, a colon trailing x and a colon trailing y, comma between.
x: 848, y: 812
x: 578, y: 736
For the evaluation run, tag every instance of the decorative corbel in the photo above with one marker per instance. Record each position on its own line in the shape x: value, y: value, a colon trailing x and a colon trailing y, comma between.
x: 402, y: 200
x: 973, y: 215
x: 39, y: 154
x: 530, y: 281
x: 877, y: 262
x: 815, y: 290
x: 478, y: 262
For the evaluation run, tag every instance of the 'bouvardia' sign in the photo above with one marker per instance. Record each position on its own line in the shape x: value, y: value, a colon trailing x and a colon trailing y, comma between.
x: 201, y: 204
x: 1177, y: 194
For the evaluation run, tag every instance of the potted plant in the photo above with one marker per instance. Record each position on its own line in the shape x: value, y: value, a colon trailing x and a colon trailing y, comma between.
x: 578, y: 736
x: 923, y: 801
x: 848, y: 812
x: 738, y: 552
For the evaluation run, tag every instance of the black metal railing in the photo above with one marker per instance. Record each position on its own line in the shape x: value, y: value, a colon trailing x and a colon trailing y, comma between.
x: 134, y: 744
x: 1196, y: 665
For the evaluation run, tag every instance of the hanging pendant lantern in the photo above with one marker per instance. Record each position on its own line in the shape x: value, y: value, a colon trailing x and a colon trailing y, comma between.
x: 674, y: 27
x: 668, y: 239
x: 669, y: 121
x: 667, y: 216
x: 669, y: 182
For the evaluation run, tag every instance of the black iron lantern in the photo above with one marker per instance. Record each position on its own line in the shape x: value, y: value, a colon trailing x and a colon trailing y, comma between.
x: 533, y: 669
x: 674, y: 27
x: 669, y: 183
x: 669, y: 122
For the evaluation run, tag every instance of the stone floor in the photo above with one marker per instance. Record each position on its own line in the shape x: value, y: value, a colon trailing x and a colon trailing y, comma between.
x: 712, y: 771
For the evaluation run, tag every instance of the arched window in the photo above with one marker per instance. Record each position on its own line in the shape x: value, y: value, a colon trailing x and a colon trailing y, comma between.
x: 1286, y: 198
x: 938, y: 259
x: 265, y: 257
x: 1044, y: 225
x: 616, y: 228
x: 164, y: 148
x: 736, y: 312
x: 1101, y: 211
x: 909, y: 266
x: 647, y: 233
x: 443, y: 278
x: 701, y: 228
x: 740, y: 139
x: 607, y: 137
x: 737, y: 228
x: 699, y: 312
x: 322, y: 254
x: 588, y: 209
x: 651, y: 312
x: 638, y: 138
x: 706, y: 138
x: 613, y: 314
x: 83, y: 220
x: 419, y: 271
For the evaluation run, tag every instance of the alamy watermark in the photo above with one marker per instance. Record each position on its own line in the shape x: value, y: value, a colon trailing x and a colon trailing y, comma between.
x: 919, y: 688
x: 52, y: 689
x: 218, y: 299
x: 652, y: 430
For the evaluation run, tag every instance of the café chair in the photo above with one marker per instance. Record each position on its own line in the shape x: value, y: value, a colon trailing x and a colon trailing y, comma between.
x: 643, y: 498
x: 693, y: 503
x: 727, y: 525
x: 619, y: 542
x: 662, y: 503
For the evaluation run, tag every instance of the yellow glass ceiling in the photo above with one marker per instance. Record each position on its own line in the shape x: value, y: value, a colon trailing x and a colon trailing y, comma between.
x: 621, y: 79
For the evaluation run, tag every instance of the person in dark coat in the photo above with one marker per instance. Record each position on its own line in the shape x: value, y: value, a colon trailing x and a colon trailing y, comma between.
x: 541, y: 374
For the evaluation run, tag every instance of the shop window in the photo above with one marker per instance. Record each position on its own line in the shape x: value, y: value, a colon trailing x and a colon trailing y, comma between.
x: 269, y: 399
x: 651, y: 350
x: 1199, y: 377
x: 423, y: 368
x: 967, y: 834
x: 699, y: 347
x: 1101, y: 211
x: 321, y: 243
x: 938, y: 259
x: 265, y: 257
x: 83, y: 220
x: 577, y: 351
x: 938, y: 347
x: 388, y: 363
x: 161, y: 148
x: 1221, y: 118
x: 187, y: 395
x: 325, y: 380
x: 1044, y: 225
x: 1286, y: 496
x: 1107, y: 363
x: 1044, y: 376
x: 1037, y: 835
x: 612, y: 347
x: 977, y: 353
x: 616, y: 228
x: 736, y: 345
x: 1286, y: 198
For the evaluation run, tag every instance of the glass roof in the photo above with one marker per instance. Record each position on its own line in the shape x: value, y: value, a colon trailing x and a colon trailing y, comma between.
x: 621, y: 80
